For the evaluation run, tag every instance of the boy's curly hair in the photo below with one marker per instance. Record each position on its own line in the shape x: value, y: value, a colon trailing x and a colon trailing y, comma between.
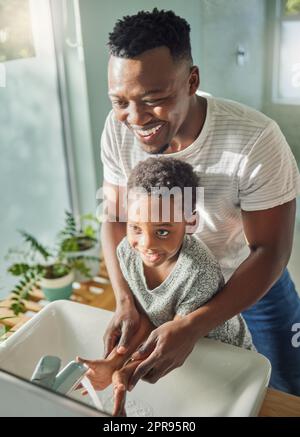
x: 163, y: 172
x: 134, y: 34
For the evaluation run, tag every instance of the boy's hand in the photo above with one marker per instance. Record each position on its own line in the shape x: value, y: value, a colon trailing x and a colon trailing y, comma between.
x: 99, y: 373
x: 120, y: 381
x: 119, y: 395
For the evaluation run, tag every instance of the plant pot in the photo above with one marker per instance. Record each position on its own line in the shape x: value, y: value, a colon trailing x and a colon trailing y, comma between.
x: 93, y: 265
x: 60, y: 288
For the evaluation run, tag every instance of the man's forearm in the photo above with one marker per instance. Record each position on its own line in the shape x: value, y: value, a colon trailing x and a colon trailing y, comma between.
x: 111, y: 235
x: 253, y: 278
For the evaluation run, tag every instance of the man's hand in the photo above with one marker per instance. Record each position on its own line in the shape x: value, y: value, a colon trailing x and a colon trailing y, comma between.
x: 166, y: 348
x: 124, y: 324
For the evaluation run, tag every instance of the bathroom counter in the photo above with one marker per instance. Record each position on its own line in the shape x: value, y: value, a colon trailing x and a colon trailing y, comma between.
x: 280, y: 404
x: 100, y: 294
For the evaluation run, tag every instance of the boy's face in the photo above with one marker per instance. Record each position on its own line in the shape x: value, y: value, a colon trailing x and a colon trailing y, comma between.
x: 156, y: 241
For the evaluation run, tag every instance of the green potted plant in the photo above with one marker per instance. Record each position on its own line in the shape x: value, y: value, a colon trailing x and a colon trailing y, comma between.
x: 80, y: 240
x: 75, y: 253
x: 37, y: 265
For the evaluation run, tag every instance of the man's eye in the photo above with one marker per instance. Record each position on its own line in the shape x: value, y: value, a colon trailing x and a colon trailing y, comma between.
x: 119, y: 103
x: 153, y: 102
x: 162, y: 233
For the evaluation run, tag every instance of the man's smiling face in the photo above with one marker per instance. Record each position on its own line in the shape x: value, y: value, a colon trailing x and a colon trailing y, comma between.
x: 151, y: 94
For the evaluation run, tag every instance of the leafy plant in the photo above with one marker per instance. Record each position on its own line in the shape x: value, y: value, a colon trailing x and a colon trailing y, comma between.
x: 22, y: 289
x: 292, y: 7
x: 34, y: 261
x: 35, y: 246
x: 78, y: 236
x: 4, y: 329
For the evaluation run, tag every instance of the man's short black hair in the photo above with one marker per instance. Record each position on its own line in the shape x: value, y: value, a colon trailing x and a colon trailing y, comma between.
x: 134, y: 34
x: 165, y: 172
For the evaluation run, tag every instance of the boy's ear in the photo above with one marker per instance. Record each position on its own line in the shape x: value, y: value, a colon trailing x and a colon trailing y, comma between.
x: 192, y: 223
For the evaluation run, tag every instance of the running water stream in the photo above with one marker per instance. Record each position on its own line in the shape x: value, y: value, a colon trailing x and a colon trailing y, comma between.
x: 91, y: 391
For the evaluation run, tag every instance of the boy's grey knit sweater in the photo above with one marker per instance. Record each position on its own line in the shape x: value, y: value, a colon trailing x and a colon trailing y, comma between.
x: 194, y: 280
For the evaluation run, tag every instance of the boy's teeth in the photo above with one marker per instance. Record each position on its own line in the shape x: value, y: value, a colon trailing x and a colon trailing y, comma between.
x: 152, y: 131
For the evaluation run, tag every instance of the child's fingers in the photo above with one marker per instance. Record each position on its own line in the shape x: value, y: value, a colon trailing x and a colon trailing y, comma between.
x: 123, y: 413
x: 84, y: 361
x: 98, y: 384
x: 119, y: 400
x: 119, y: 381
x: 92, y: 364
x: 118, y: 378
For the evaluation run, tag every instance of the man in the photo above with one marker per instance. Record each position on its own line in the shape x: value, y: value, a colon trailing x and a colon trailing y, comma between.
x: 250, y: 181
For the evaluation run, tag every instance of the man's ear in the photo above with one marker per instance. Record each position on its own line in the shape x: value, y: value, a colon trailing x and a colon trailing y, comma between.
x: 192, y: 223
x: 194, y: 80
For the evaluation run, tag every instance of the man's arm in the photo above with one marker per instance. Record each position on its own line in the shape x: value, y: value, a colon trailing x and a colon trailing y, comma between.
x: 269, y: 234
x: 126, y: 319
x: 112, y: 232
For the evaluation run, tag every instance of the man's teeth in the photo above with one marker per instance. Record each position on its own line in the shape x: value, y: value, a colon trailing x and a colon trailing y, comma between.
x: 146, y: 133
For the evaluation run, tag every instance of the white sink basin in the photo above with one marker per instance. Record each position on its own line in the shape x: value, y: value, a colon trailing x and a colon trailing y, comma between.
x: 216, y: 379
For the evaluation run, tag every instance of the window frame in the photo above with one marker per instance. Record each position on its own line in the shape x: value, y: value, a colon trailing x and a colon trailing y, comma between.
x: 279, y: 18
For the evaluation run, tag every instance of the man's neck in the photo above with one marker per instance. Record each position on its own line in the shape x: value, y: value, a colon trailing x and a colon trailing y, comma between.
x: 192, y: 128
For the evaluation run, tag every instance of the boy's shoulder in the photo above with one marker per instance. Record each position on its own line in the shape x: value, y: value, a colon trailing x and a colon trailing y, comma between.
x: 193, y: 244
x: 128, y: 260
x: 198, y: 266
x: 124, y: 249
x: 195, y: 252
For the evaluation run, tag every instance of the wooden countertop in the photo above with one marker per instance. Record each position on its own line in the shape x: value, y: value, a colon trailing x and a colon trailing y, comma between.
x: 280, y: 404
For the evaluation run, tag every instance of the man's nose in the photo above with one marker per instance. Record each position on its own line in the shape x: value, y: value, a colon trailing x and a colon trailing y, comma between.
x: 137, y: 115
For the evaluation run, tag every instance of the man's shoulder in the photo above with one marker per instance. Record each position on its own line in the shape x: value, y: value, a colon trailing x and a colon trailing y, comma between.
x: 110, y: 118
x: 236, y: 112
x: 115, y: 125
x: 119, y: 136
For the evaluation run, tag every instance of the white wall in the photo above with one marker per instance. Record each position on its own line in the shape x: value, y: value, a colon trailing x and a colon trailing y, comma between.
x: 224, y: 25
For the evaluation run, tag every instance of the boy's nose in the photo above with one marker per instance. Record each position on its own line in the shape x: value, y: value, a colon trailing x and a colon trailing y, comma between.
x: 146, y: 242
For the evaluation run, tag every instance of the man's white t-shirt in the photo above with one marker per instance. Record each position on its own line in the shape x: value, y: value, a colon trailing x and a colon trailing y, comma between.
x: 243, y: 161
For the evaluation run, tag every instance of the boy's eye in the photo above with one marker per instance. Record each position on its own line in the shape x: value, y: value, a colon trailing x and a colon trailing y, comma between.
x: 162, y: 233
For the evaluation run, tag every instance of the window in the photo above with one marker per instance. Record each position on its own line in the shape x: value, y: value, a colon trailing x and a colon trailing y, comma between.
x: 287, y: 58
x: 33, y: 170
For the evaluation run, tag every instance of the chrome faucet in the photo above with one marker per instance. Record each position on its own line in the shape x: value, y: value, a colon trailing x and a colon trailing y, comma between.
x: 46, y: 374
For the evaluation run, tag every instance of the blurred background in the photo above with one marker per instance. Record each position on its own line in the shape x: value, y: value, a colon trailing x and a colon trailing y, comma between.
x: 53, y: 94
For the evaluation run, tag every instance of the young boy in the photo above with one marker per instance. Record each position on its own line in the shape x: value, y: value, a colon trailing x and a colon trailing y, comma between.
x: 170, y: 272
